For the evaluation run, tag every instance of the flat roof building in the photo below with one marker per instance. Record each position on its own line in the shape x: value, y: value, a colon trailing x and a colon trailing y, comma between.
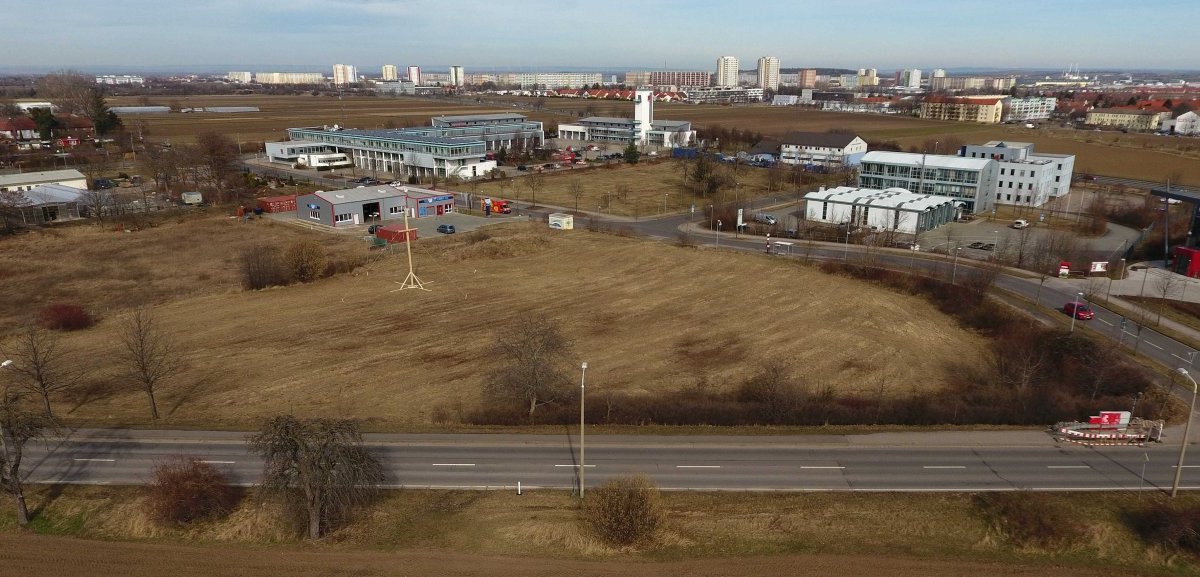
x: 642, y: 129
x: 970, y: 181
x: 893, y: 209
x: 1024, y: 178
x: 29, y: 180
x: 371, y: 204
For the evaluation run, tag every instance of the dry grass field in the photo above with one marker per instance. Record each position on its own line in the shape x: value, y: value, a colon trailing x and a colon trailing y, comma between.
x: 646, y: 316
x: 1142, y: 157
x: 494, y: 533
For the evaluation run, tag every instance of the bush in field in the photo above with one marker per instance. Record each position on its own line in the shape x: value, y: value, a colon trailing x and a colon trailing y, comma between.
x: 184, y: 489
x: 306, y: 260
x: 66, y: 317
x: 625, y: 510
x: 1030, y: 519
x: 1168, y: 525
x: 262, y: 267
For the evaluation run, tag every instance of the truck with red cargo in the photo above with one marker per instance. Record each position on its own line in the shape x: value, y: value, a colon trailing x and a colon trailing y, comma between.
x: 489, y: 206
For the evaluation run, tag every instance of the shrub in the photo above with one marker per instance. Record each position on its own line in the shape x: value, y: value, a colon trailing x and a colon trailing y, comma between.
x: 306, y: 260
x: 1165, y: 524
x: 1030, y: 519
x: 185, y: 489
x: 625, y: 510
x: 263, y: 267
x: 66, y: 317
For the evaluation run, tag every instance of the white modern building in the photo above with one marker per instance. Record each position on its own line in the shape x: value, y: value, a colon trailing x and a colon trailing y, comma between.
x: 457, y: 76
x: 727, y: 71
x: 1187, y: 123
x: 390, y: 73
x: 821, y: 149
x: 723, y: 94
x: 414, y: 75
x: 240, y: 77
x: 969, y: 181
x: 641, y: 130
x: 1029, y: 108
x: 868, y: 77
x: 894, y: 209
x: 453, y: 146
x: 344, y: 74
x: 768, y: 73
x: 1024, y: 178
x: 551, y: 80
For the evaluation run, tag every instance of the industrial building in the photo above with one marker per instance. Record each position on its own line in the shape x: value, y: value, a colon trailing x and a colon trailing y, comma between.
x: 342, y: 208
x: 452, y: 146
x: 894, y: 209
x: 29, y: 180
x: 827, y: 149
x: 642, y: 129
x: 1023, y: 177
x: 971, y: 181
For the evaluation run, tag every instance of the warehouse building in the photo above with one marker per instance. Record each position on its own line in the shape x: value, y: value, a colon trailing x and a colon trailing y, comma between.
x: 29, y: 180
x: 342, y: 208
x: 894, y: 209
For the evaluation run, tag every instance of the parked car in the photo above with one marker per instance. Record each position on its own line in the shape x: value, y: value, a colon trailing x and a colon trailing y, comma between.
x: 371, y: 229
x: 445, y: 228
x: 1020, y: 223
x: 764, y: 219
x: 976, y: 245
x: 1079, y: 310
x: 522, y: 168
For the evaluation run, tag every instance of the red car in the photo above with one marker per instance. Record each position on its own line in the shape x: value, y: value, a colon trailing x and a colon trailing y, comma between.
x: 1079, y: 310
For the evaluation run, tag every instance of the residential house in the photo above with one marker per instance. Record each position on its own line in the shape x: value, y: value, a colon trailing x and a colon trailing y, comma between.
x: 822, y: 149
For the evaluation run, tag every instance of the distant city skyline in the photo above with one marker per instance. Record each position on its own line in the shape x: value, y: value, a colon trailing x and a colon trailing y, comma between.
x: 613, y: 35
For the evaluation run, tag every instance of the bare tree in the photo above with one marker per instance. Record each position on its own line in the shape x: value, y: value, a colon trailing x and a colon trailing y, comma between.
x: 12, y: 205
x: 68, y: 90
x: 217, y: 155
x: 534, y: 182
x: 97, y: 203
x: 1164, y: 286
x: 533, y: 372
x: 577, y: 191
x: 149, y: 353
x: 18, y: 426
x: 43, y: 362
x: 323, y: 460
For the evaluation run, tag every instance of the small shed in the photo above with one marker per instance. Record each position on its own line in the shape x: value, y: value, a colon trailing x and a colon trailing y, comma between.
x: 396, y: 233
x: 286, y: 203
x: 562, y: 221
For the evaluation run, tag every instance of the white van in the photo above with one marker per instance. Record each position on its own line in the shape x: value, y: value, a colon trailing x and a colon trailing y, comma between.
x: 1020, y: 223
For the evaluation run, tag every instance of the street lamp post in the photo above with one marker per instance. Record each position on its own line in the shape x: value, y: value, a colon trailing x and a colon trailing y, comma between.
x: 1186, y: 431
x: 954, y: 271
x: 717, y: 234
x: 1075, y: 312
x: 582, y: 390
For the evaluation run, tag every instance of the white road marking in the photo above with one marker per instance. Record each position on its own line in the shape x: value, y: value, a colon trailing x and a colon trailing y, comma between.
x: 697, y: 466
x: 98, y: 460
x: 1105, y: 322
x: 1068, y: 467
x: 1185, y: 466
x: 1154, y: 345
x: 219, y: 462
x: 1178, y: 357
x: 576, y: 466
x: 453, y: 464
x: 945, y: 467
x: 817, y: 467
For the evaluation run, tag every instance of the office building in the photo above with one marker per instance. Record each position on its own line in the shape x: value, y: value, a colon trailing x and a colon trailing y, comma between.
x: 727, y: 71
x: 971, y: 182
x: 1023, y: 177
x: 390, y: 73
x: 641, y: 130
x: 768, y: 73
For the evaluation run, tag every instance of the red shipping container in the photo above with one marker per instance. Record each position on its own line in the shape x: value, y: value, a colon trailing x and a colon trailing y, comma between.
x: 278, y: 203
x: 396, y: 233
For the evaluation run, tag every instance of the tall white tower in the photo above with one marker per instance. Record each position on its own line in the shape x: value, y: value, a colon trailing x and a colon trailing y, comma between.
x: 727, y: 71
x: 643, y: 114
x: 768, y: 73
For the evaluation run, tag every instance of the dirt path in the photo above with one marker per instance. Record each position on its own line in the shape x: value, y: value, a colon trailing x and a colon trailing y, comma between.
x: 37, y: 556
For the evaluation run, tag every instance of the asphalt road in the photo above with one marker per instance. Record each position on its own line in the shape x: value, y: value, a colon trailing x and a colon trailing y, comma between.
x: 900, y: 462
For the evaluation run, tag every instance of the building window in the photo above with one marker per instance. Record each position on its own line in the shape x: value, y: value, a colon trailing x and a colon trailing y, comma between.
x: 314, y: 214
x: 343, y: 217
x: 395, y: 209
x: 824, y: 211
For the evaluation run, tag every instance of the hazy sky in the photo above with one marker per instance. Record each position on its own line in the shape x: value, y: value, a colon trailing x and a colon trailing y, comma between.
x: 617, y: 34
